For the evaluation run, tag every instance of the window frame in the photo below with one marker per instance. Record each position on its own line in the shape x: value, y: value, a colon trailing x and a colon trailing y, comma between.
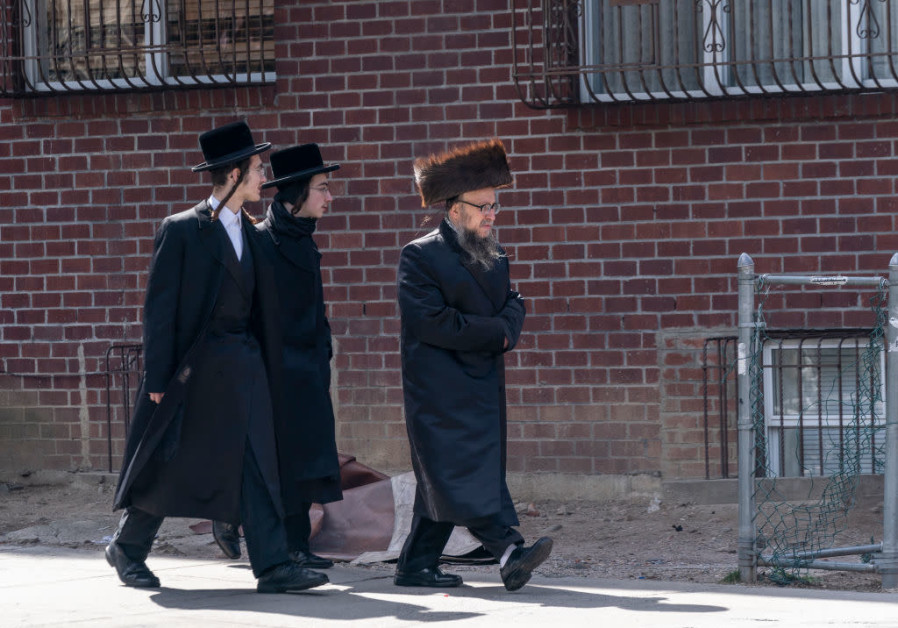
x: 716, y: 65
x: 155, y: 56
x: 774, y: 423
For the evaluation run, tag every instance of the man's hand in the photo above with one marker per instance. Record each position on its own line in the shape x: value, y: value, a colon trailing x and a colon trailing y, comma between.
x: 157, y: 397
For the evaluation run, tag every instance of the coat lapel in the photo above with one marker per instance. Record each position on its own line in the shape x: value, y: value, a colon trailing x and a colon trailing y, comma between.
x: 492, y: 281
x: 209, y: 232
x: 216, y: 240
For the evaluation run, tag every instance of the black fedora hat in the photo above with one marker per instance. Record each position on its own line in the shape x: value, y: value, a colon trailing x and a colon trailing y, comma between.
x: 298, y: 162
x: 228, y: 144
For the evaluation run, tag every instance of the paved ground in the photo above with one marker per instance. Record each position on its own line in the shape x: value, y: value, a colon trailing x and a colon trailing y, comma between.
x: 52, y: 586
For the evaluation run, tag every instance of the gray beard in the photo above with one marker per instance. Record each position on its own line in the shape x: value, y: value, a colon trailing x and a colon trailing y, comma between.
x: 484, y: 252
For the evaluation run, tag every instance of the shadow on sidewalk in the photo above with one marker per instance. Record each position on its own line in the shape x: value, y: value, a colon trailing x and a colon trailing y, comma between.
x: 365, y: 600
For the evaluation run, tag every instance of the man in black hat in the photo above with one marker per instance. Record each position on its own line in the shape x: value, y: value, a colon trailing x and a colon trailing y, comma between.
x: 202, y: 440
x: 459, y: 316
x: 304, y: 416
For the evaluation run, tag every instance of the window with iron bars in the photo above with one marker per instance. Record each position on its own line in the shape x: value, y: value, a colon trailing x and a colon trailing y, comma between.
x: 121, y: 45
x: 569, y: 52
x: 824, y: 406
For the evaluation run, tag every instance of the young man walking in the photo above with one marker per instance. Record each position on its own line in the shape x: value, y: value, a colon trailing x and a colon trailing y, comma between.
x: 202, y: 440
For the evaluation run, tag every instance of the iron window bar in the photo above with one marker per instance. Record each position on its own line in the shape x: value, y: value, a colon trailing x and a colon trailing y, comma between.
x: 572, y: 52
x: 60, y: 46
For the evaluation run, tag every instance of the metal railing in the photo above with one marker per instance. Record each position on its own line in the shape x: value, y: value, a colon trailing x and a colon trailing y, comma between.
x: 718, y: 390
x: 570, y: 52
x: 123, y: 375
x: 53, y: 46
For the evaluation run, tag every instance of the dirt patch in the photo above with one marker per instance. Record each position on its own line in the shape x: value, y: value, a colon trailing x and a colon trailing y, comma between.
x: 618, y: 539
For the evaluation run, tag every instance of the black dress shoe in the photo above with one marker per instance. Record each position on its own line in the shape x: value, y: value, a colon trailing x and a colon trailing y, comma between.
x: 523, y: 560
x: 289, y: 577
x: 310, y: 560
x: 131, y: 572
x: 427, y: 577
x: 227, y: 537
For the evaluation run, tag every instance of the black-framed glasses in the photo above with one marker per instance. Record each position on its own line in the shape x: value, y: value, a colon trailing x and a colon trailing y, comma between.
x: 484, y: 209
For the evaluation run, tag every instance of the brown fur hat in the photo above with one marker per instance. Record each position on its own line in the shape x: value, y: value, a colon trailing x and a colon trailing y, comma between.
x: 472, y: 167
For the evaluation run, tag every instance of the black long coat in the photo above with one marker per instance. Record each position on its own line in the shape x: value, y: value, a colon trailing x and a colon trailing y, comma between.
x: 179, y: 463
x: 455, y: 318
x: 304, y: 414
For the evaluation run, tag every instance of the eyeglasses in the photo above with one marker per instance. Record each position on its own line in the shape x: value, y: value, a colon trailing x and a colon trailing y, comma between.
x: 324, y: 188
x: 484, y: 209
x: 259, y: 170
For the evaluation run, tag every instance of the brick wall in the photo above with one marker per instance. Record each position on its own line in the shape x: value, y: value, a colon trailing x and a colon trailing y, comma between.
x: 623, y: 227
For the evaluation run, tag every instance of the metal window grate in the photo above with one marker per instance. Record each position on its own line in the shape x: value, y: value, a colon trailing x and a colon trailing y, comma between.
x: 568, y: 52
x: 818, y: 418
x: 52, y: 46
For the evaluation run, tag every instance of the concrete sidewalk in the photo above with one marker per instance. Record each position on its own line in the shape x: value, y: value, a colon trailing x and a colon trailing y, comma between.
x: 49, y: 586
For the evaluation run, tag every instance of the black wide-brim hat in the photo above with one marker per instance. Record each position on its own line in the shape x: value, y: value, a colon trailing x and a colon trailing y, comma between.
x: 228, y: 144
x: 295, y: 163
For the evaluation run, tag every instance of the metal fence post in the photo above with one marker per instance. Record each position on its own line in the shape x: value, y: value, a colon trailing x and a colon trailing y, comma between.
x: 747, y: 555
x: 888, y: 560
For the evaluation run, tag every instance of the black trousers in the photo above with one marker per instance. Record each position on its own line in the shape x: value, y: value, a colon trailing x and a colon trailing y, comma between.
x: 299, y: 528
x: 427, y: 539
x: 263, y: 528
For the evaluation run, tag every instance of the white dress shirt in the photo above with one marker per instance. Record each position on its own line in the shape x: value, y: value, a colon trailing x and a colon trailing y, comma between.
x: 232, y: 224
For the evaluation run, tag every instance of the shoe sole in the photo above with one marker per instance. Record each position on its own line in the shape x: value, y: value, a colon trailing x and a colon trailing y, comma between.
x: 521, y: 576
x: 260, y: 588
x: 228, y: 553
x: 225, y: 549
x: 401, y: 582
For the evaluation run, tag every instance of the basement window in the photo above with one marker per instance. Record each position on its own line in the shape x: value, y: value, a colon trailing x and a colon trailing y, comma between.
x: 824, y: 406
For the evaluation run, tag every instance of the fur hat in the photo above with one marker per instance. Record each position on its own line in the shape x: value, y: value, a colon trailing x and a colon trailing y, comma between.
x: 472, y: 167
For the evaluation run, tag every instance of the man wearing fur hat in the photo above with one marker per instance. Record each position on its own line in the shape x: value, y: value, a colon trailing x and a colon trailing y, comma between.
x: 202, y: 440
x: 459, y: 316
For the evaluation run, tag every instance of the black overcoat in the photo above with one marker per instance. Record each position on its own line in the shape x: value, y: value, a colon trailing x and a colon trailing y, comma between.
x: 189, y: 464
x: 455, y: 319
x: 304, y: 414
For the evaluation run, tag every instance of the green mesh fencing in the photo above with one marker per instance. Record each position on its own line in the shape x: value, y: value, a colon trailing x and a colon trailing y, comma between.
x: 790, y: 532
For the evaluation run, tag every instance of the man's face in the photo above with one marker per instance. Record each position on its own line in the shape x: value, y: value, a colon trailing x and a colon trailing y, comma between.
x: 318, y: 200
x: 251, y: 188
x: 465, y: 216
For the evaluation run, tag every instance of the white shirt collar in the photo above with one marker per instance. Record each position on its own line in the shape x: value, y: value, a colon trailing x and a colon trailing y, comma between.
x: 226, y: 216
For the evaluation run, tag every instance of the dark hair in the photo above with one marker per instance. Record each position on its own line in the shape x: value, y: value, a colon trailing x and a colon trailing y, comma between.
x: 296, y: 193
x: 220, y: 174
x: 220, y: 179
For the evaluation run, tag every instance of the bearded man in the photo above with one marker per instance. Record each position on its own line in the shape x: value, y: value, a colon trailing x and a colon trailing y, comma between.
x: 459, y: 316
